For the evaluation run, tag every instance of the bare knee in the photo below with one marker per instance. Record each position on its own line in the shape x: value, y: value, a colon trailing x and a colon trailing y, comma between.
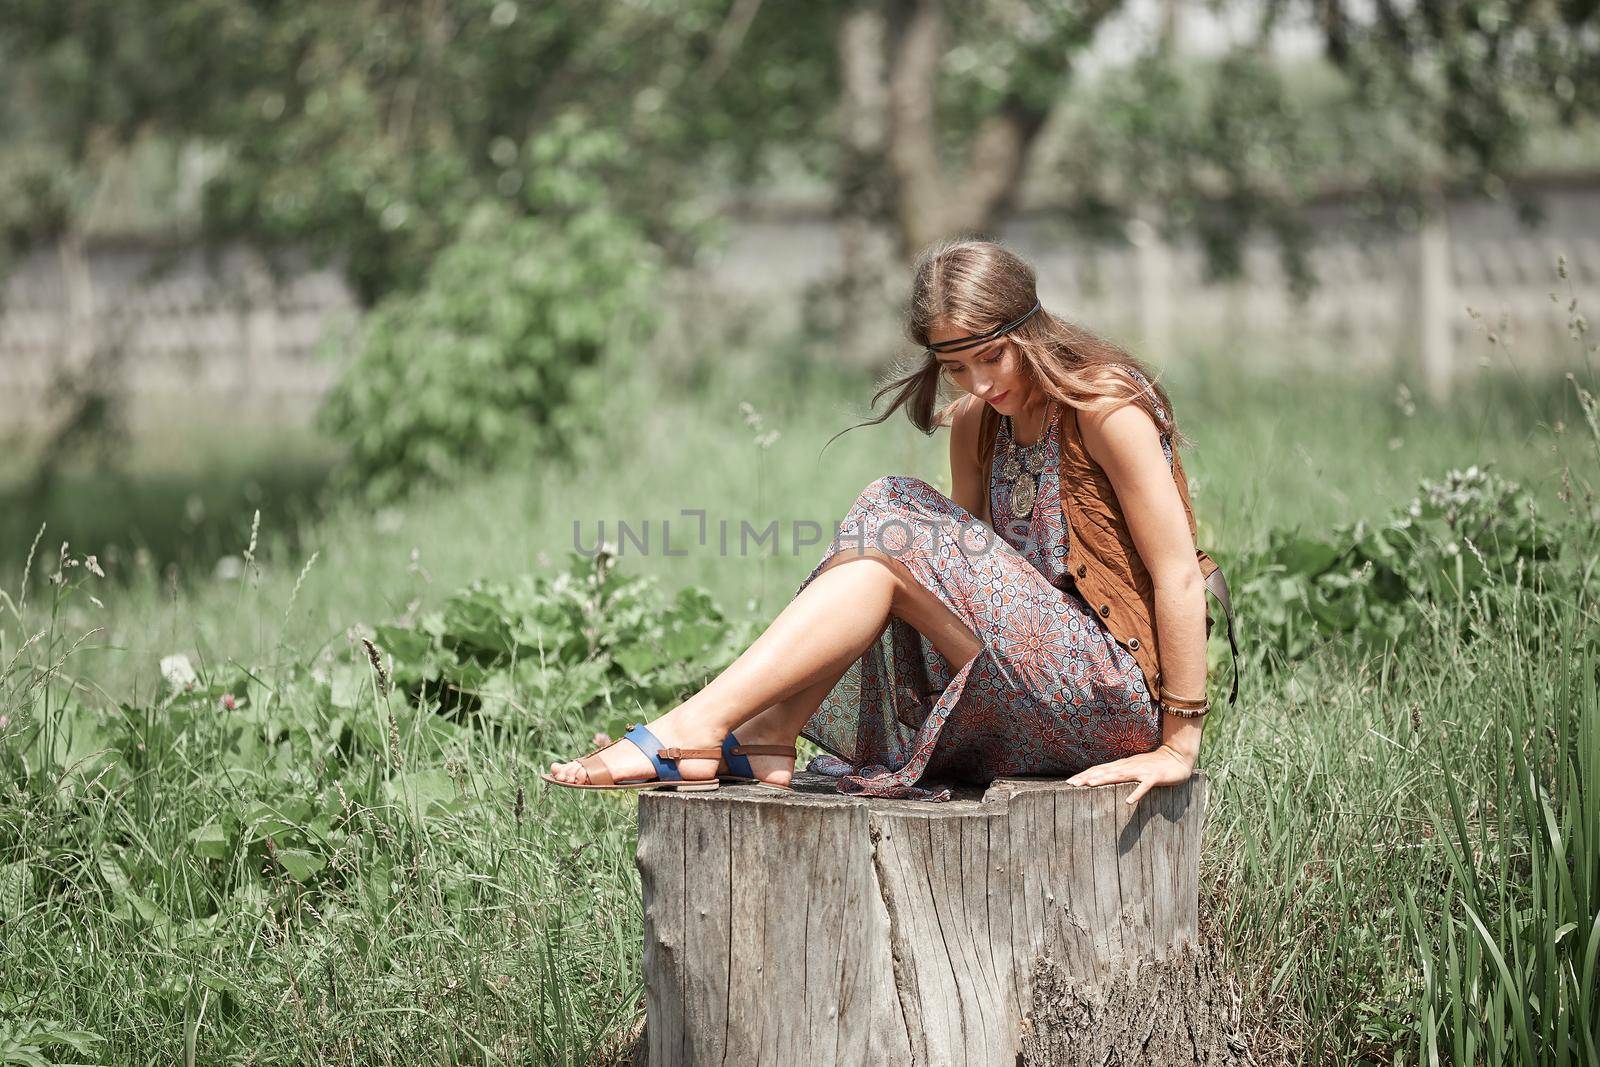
x: 887, y: 565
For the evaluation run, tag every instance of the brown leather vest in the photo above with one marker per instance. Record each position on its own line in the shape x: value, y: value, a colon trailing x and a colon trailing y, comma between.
x: 1101, y: 557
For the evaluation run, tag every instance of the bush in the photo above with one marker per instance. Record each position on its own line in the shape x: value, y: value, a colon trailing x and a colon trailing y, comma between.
x: 502, y: 349
x: 1371, y: 583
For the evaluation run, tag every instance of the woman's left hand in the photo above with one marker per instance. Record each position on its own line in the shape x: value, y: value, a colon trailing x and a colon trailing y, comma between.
x: 1150, y: 769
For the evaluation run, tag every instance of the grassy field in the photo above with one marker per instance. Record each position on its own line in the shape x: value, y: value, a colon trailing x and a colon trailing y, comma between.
x: 323, y: 871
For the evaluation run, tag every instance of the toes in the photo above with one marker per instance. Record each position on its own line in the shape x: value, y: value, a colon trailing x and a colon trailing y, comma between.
x: 567, y: 772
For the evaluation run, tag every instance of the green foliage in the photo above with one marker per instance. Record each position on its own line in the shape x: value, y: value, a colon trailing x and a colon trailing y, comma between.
x: 367, y: 131
x: 1224, y: 150
x: 503, y: 350
x: 25, y: 1042
x: 1509, y: 965
x: 589, y: 645
x: 1372, y: 584
x: 242, y: 827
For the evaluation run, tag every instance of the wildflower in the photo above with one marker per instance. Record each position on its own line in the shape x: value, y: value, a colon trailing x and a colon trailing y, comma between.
x: 177, y: 672
x: 601, y: 739
x: 92, y: 565
x: 228, y: 702
x: 5, y: 720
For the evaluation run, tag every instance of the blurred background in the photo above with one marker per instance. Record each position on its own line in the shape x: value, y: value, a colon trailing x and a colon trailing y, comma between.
x: 252, y: 251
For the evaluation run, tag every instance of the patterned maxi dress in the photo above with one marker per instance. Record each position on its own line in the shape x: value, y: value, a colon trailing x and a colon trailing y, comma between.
x: 1050, y: 692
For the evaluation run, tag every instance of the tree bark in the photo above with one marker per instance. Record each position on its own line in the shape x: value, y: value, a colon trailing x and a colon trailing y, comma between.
x: 1026, y: 925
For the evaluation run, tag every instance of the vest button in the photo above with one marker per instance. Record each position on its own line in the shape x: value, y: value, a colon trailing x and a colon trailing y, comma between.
x: 1133, y: 644
x: 1105, y: 609
x: 1082, y: 570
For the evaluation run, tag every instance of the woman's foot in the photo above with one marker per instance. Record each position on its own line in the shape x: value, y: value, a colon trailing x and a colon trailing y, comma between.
x: 627, y: 763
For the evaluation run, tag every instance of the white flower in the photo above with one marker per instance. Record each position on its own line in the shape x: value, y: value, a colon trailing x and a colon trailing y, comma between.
x: 178, y: 673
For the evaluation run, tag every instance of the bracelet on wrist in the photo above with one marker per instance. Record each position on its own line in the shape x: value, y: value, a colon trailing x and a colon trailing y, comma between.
x: 1185, y: 713
x: 1185, y: 707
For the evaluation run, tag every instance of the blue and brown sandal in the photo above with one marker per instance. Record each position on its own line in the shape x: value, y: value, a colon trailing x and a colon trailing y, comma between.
x: 664, y: 760
x: 736, y: 756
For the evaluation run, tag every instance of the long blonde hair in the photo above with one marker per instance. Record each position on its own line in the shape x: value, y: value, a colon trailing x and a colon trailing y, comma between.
x: 975, y: 286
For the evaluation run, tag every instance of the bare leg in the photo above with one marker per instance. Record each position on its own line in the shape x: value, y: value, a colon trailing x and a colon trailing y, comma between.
x: 780, y: 725
x: 809, y: 645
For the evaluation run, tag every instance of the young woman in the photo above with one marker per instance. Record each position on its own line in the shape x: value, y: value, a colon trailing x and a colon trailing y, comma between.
x: 925, y: 648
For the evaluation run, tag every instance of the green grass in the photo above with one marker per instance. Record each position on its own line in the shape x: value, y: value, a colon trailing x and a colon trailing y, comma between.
x: 181, y: 492
x: 467, y: 915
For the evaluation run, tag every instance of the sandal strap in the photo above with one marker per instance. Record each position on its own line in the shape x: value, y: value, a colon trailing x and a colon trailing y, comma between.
x: 596, y: 768
x: 736, y: 753
x: 765, y: 750
x: 651, y: 746
x: 689, y: 753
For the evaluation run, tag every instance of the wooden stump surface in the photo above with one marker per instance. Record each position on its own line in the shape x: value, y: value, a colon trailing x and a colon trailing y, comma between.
x: 813, y: 928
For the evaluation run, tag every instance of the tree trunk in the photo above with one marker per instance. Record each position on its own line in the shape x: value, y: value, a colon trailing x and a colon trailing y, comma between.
x: 1037, y: 923
x: 851, y: 312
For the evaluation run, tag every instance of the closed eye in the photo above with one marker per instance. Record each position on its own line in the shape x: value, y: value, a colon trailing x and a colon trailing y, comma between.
x: 957, y: 368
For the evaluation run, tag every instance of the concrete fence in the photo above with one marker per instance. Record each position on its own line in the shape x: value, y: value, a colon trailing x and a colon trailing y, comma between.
x: 227, y: 330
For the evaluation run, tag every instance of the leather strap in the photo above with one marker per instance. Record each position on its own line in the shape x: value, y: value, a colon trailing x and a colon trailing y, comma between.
x: 765, y: 750
x: 598, y: 774
x: 689, y: 753
x: 1217, y: 584
x: 735, y: 753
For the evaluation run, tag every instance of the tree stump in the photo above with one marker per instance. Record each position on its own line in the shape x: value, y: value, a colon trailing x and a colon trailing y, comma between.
x: 1035, y: 923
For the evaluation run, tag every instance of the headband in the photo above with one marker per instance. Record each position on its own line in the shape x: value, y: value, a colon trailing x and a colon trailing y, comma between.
x: 961, y: 344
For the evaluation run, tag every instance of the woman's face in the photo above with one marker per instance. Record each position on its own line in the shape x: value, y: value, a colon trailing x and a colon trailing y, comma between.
x: 992, y: 372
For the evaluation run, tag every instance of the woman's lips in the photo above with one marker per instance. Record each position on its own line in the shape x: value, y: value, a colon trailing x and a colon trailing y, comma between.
x: 1002, y: 396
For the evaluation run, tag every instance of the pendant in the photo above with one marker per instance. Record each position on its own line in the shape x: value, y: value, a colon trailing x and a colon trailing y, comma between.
x: 1022, y: 494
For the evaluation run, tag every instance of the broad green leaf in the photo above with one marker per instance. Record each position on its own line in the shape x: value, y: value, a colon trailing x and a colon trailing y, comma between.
x: 299, y: 863
x: 211, y: 841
